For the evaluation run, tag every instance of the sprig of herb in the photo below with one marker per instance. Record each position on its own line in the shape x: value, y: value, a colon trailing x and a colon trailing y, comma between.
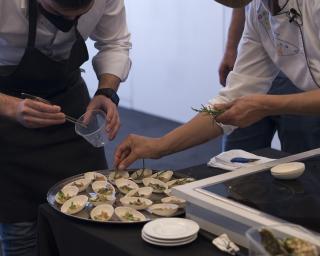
x: 209, y: 110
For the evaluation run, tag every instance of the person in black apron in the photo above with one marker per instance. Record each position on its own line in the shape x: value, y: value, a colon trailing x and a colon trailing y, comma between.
x: 32, y: 160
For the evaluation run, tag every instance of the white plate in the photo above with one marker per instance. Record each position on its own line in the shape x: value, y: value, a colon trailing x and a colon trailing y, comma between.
x: 288, y: 170
x: 166, y: 240
x: 168, y: 243
x: 171, y: 228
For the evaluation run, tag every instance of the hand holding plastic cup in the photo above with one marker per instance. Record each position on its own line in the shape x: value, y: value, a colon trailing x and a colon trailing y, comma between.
x: 94, y: 129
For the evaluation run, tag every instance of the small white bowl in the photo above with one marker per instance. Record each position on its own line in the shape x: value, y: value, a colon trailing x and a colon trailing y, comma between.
x: 288, y: 171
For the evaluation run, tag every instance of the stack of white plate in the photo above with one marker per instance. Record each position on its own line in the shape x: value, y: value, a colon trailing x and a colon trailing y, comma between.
x: 170, y: 231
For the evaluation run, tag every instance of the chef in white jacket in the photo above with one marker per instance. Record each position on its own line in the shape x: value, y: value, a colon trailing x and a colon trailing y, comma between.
x: 280, y: 35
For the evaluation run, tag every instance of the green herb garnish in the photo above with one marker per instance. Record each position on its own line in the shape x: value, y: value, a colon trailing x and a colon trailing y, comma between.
x: 209, y: 110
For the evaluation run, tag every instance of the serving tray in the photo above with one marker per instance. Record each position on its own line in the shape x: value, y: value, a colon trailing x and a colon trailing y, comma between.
x: 85, y: 213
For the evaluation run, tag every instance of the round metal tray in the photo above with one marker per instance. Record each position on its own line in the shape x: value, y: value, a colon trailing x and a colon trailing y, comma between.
x: 85, y: 213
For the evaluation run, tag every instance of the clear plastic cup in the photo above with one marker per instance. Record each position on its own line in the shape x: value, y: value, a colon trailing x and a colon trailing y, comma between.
x: 94, y: 129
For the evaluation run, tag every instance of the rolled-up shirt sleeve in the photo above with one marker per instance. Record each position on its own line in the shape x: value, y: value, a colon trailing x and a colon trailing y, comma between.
x: 112, y: 40
x: 253, y: 72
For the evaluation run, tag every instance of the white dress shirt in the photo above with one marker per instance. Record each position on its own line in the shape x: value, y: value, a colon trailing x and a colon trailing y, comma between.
x: 105, y: 23
x: 270, y: 44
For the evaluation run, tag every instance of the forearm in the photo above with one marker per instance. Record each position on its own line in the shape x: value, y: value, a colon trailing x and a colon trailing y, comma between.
x: 109, y: 81
x: 198, y: 130
x: 306, y: 103
x: 235, y: 29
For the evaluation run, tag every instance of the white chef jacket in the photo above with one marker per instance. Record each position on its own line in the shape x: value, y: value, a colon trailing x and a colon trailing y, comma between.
x: 105, y: 23
x: 270, y: 44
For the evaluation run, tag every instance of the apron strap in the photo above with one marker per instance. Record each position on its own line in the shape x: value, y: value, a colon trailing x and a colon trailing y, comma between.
x: 32, y: 15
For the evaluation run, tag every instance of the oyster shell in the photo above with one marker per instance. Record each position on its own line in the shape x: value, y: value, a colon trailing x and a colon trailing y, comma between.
x: 94, y: 176
x: 157, y: 185
x: 174, y: 200
x: 138, y: 203
x: 140, y: 174
x: 164, y: 176
x: 102, y: 212
x: 103, y: 188
x: 177, y: 182
x: 129, y: 214
x: 74, y: 204
x: 98, y: 199
x: 163, y: 209
x: 81, y: 184
x: 113, y: 176
x: 125, y: 185
x: 144, y: 192
x: 66, y: 193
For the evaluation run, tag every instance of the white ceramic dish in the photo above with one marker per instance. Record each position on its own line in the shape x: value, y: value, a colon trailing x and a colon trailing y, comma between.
x: 288, y: 171
x: 168, y: 243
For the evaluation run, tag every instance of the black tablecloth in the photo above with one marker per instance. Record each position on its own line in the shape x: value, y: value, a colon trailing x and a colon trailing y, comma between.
x: 65, y: 236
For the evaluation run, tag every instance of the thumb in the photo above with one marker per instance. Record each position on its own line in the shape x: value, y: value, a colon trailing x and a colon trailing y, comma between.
x: 128, y: 160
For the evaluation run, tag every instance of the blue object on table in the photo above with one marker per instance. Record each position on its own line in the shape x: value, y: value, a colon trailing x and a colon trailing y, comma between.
x: 243, y: 160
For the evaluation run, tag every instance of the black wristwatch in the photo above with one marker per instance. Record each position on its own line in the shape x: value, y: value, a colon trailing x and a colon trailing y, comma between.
x: 109, y: 93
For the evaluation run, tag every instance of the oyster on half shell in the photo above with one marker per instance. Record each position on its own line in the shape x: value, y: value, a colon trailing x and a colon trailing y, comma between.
x: 164, y: 176
x: 102, y: 212
x: 66, y: 193
x: 165, y: 210
x: 138, y: 203
x: 113, y: 176
x: 125, y: 185
x: 144, y: 192
x: 129, y: 214
x: 94, y: 176
x: 81, y: 184
x: 174, y: 200
x: 74, y: 204
x: 140, y: 174
x: 157, y: 185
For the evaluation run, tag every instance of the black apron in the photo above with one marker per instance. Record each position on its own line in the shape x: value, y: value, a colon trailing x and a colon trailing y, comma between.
x: 32, y: 160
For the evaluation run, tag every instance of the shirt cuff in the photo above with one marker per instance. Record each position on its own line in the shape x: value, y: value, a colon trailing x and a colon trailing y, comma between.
x: 118, y: 65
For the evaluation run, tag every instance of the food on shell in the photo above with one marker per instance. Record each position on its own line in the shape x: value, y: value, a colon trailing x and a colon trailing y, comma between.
x: 113, y: 176
x: 81, y: 184
x: 125, y: 185
x: 163, y: 209
x: 140, y: 174
x: 157, y: 185
x: 138, y: 203
x: 103, y: 188
x: 181, y: 181
x: 174, y: 200
x: 94, y: 176
x: 129, y: 214
x: 66, y: 193
x: 74, y: 204
x: 144, y: 192
x: 164, y: 176
x: 102, y: 212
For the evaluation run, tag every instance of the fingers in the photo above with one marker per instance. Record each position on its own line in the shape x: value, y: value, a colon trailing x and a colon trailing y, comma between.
x: 113, y: 120
x: 42, y: 107
x: 124, y: 155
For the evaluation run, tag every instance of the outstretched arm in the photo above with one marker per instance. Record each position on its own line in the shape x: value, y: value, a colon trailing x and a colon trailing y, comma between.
x: 198, y: 130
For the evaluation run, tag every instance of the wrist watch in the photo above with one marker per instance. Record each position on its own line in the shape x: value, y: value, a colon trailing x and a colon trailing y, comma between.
x: 109, y: 93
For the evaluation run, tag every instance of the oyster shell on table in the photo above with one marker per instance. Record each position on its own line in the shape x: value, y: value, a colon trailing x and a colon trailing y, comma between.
x: 129, y: 214
x: 94, y: 176
x: 140, y: 174
x: 164, y: 176
x: 66, y: 193
x: 174, y: 200
x: 74, y: 204
x: 126, y: 185
x: 164, y: 210
x: 157, y: 185
x: 102, y: 212
x: 144, y: 192
x: 113, y: 176
x: 138, y: 203
x: 81, y: 184
x: 181, y: 181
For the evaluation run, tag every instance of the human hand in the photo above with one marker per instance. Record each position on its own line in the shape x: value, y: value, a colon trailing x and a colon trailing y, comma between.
x: 226, y: 65
x: 34, y: 114
x: 244, y: 111
x: 135, y: 147
x: 113, y: 119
